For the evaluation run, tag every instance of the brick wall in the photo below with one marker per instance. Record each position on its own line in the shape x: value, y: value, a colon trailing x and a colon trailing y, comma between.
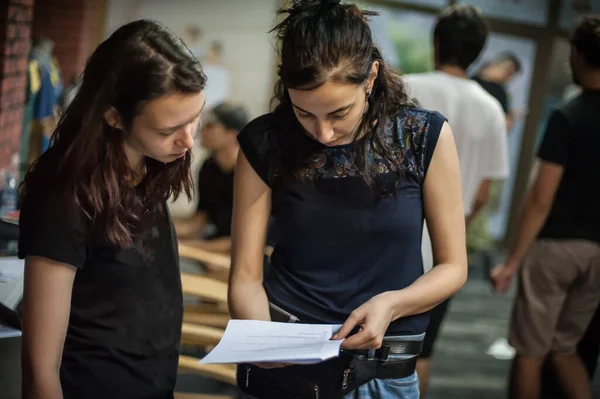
x: 15, y: 23
x: 74, y: 26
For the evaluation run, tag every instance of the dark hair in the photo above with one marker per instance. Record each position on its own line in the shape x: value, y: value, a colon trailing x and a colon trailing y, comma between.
x: 138, y: 63
x: 508, y: 56
x: 231, y: 116
x: 460, y: 34
x: 326, y: 40
x: 586, y: 39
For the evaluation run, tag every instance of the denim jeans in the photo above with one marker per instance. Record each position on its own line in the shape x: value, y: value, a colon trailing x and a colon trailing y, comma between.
x: 399, y: 388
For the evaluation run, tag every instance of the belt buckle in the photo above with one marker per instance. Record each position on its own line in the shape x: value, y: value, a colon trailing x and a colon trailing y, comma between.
x: 380, y: 354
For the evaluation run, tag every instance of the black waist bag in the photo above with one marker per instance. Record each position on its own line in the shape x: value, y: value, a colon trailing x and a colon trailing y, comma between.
x: 331, y: 379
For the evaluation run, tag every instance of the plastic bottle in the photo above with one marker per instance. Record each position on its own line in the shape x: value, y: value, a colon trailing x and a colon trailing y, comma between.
x: 8, y: 195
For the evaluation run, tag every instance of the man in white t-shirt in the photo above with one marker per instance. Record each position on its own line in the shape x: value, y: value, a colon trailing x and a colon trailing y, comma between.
x: 477, y: 120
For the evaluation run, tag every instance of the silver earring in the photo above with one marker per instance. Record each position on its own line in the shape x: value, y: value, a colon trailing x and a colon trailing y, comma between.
x: 369, y: 93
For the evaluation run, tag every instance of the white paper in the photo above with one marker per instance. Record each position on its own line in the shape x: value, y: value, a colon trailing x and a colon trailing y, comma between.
x: 8, y: 332
x: 249, y: 341
x: 11, y: 268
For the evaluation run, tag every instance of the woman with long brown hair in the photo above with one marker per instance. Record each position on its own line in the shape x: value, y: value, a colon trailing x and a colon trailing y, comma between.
x: 350, y: 168
x: 102, y: 301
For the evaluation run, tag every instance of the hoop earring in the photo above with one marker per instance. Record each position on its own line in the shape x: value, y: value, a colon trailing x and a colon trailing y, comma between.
x: 368, y: 94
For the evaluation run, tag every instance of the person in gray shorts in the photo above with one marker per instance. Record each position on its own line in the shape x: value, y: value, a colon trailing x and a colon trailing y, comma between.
x: 559, y: 272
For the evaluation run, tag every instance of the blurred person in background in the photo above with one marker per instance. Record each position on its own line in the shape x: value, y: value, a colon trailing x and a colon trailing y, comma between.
x: 478, y: 125
x: 218, y: 135
x: 557, y: 247
x: 350, y: 168
x: 588, y: 350
x: 214, y: 55
x: 217, y: 91
x: 102, y: 294
x: 494, y: 76
x: 193, y: 39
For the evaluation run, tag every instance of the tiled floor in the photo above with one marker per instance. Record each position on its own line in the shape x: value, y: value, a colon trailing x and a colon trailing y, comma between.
x: 461, y: 368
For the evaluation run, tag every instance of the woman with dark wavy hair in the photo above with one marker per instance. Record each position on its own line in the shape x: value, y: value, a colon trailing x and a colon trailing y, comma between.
x: 350, y: 169
x: 102, y: 302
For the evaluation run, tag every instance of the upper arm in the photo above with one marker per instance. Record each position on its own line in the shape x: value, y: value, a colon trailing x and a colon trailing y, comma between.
x: 46, y: 308
x: 443, y: 203
x: 546, y: 183
x: 52, y: 242
x: 251, y: 211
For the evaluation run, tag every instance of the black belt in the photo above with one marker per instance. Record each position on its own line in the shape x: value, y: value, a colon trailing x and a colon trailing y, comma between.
x: 366, y: 369
x: 407, y: 348
x: 396, y: 369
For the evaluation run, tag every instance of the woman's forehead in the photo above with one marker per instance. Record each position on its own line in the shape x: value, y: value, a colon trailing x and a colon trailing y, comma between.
x: 173, y: 109
x: 327, y: 97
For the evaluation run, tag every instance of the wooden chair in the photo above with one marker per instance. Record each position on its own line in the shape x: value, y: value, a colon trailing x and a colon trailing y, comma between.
x: 204, y: 323
x: 213, y: 311
x: 215, y: 265
x: 211, y: 315
x: 216, y: 260
x: 205, y: 288
x: 221, y: 372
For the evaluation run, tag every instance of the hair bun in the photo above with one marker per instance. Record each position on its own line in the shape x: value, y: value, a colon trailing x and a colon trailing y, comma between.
x: 313, y: 3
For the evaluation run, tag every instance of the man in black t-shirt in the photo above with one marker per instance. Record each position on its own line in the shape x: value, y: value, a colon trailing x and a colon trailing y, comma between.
x: 215, y: 181
x: 557, y: 250
x: 494, y: 76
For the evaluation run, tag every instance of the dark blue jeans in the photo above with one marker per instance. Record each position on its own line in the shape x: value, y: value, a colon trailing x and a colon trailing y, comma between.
x: 399, y: 388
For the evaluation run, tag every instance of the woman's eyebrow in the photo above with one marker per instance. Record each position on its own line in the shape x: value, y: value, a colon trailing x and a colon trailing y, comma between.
x: 345, y: 107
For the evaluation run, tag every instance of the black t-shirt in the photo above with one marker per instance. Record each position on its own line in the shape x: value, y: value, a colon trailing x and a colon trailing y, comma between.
x: 215, y: 188
x: 338, y: 244
x: 572, y: 140
x: 124, y: 329
x: 496, y: 90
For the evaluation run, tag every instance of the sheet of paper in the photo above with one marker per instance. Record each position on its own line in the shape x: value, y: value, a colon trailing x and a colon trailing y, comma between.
x: 11, y: 268
x: 8, y: 332
x: 248, y: 341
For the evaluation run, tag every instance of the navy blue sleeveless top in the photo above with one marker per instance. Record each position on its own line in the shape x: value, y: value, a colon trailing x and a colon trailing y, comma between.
x: 339, y: 242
